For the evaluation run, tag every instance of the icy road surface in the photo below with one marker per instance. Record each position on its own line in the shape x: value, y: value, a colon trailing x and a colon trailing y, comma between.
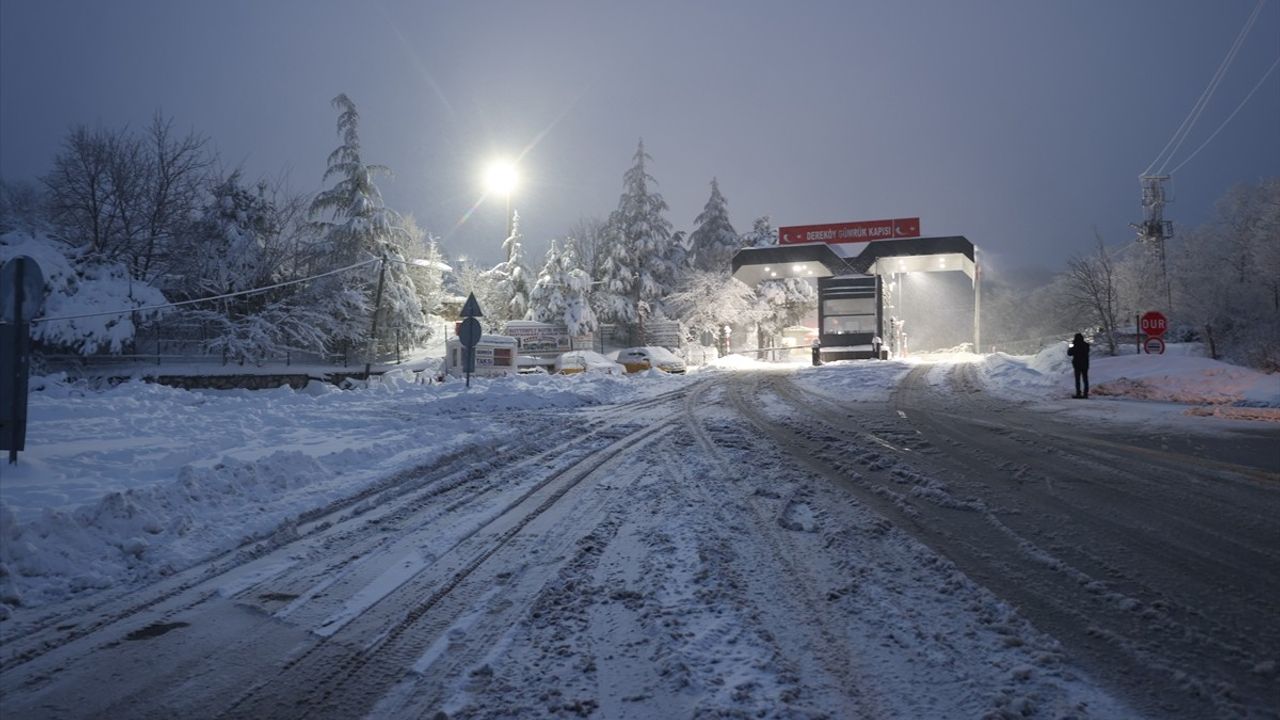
x: 812, y: 543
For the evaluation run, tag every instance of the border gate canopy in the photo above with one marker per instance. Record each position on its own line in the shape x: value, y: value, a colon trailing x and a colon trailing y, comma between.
x: 881, y: 257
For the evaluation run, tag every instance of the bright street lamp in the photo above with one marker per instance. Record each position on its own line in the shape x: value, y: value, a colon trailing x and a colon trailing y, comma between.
x: 500, y: 178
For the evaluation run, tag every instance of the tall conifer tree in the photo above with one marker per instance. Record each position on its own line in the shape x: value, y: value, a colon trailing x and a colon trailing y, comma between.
x: 714, y: 241
x: 637, y: 274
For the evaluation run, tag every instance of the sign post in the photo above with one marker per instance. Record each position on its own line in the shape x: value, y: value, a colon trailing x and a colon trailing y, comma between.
x: 21, y: 295
x: 469, y: 332
x: 1154, y: 325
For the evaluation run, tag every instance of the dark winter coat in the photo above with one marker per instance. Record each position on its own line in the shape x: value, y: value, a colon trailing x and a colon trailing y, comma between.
x: 1078, y: 351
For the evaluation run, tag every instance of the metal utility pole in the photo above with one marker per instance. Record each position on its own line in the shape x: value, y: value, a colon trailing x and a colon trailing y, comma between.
x: 373, y: 331
x: 1154, y: 231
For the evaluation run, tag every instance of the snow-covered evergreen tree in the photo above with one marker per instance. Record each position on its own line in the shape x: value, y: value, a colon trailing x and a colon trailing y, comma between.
x: 546, y: 300
x: 761, y: 234
x: 637, y: 274
x: 680, y: 256
x: 579, y: 318
x: 230, y: 240
x: 515, y: 273
x: 360, y: 227
x: 714, y: 240
x: 562, y: 294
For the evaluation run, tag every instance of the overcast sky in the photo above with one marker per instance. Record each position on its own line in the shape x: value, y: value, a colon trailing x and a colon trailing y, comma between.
x: 1018, y: 124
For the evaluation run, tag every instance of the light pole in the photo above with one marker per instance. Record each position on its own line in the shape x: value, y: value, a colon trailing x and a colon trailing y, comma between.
x: 500, y: 177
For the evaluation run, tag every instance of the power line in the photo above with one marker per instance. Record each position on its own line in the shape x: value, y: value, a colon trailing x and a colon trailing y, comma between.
x: 254, y: 291
x: 1184, y: 129
x: 1265, y: 75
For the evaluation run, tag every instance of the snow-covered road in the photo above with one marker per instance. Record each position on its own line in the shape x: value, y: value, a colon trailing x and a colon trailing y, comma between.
x: 806, y: 543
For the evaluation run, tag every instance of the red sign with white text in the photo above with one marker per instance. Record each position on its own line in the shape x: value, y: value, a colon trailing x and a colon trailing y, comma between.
x: 1153, y: 324
x: 865, y: 231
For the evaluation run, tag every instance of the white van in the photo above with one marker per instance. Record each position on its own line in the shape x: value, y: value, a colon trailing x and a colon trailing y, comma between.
x: 495, y: 356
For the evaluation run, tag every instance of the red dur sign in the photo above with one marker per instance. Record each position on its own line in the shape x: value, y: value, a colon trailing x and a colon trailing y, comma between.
x: 1153, y: 324
x: 850, y: 232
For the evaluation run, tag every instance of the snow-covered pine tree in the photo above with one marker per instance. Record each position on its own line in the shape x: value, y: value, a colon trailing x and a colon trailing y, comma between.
x: 680, y: 256
x: 546, y: 300
x: 714, y: 240
x: 359, y: 227
x: 563, y: 292
x: 579, y: 318
x: 637, y: 274
x: 515, y: 273
x: 230, y: 242
x: 761, y: 234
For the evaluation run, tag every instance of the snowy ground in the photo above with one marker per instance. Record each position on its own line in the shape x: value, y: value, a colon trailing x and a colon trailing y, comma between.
x: 121, y: 483
x: 586, y: 545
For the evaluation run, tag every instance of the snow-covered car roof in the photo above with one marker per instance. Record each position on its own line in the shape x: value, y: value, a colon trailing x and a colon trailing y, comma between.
x: 585, y: 359
x: 653, y: 351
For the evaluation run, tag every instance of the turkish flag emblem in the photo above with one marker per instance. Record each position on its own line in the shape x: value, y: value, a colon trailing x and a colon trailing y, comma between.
x: 906, y: 227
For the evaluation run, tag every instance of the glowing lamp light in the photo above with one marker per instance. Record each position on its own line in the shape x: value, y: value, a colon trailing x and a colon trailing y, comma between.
x: 500, y: 177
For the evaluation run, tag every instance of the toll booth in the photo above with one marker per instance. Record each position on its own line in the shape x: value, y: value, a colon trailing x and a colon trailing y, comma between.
x: 857, y: 278
x: 851, y: 317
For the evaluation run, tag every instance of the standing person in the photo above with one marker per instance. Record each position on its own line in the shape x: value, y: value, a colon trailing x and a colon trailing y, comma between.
x: 1078, y: 351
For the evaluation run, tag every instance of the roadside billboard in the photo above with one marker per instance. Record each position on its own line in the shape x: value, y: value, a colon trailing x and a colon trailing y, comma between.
x: 538, y: 338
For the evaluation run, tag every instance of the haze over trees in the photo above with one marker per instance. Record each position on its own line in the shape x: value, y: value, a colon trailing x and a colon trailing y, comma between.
x: 1221, y: 288
x: 131, y: 219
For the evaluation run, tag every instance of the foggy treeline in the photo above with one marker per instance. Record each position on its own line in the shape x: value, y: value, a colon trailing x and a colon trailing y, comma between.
x: 136, y: 218
x: 1218, y: 284
x: 128, y: 219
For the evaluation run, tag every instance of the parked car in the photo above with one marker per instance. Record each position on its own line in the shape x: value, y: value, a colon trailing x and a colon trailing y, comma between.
x: 639, y: 359
x: 578, y: 361
x: 531, y: 365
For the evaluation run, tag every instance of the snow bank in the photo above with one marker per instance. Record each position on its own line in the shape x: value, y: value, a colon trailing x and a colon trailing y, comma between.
x: 77, y: 288
x: 1181, y: 375
x: 140, y: 480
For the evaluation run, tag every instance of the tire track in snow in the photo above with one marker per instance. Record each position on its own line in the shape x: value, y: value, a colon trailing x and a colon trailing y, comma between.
x: 835, y: 657
x: 1106, y: 610
x: 102, y: 623
x: 351, y: 681
x: 951, y: 528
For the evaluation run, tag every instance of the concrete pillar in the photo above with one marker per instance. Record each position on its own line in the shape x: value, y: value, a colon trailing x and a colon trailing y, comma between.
x: 977, y: 302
